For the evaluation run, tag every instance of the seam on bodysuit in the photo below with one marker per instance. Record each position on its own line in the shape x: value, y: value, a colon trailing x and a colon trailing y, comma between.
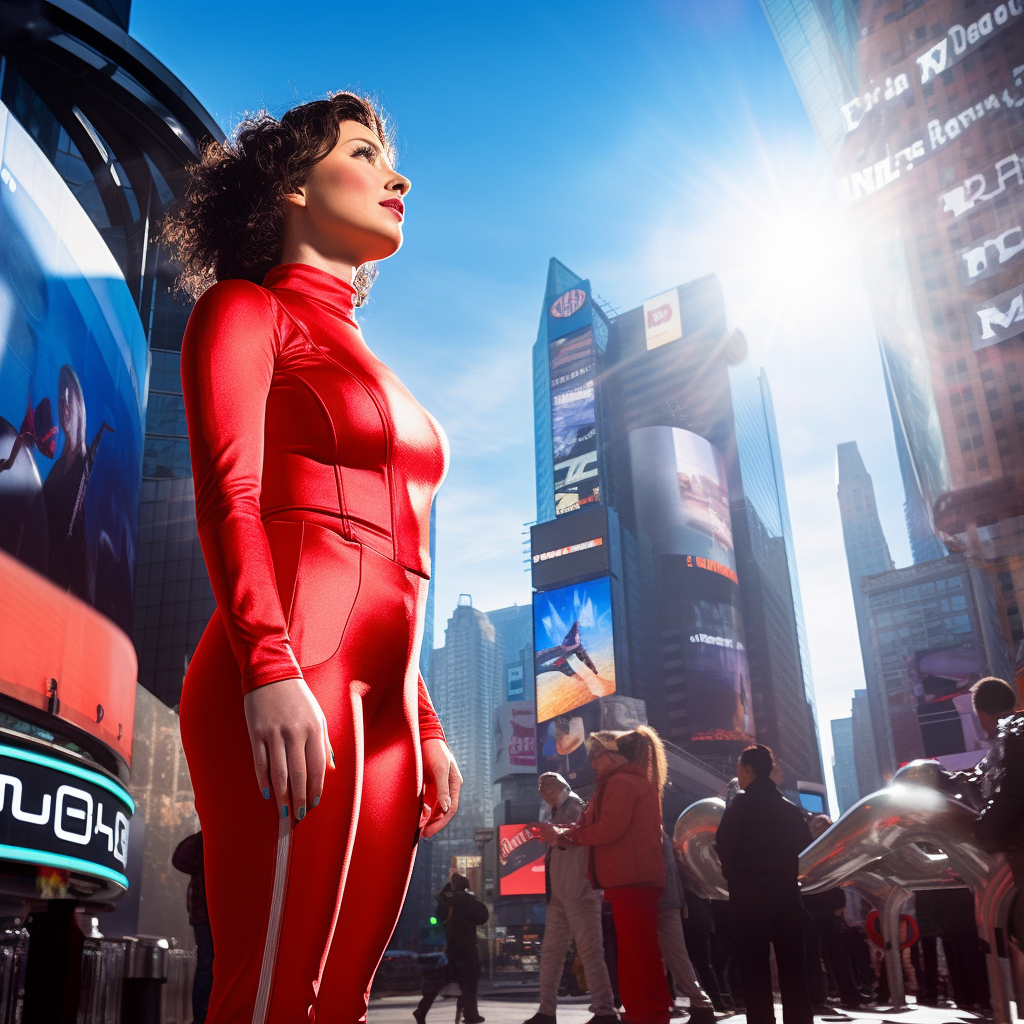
x: 385, y: 421
x: 280, y: 887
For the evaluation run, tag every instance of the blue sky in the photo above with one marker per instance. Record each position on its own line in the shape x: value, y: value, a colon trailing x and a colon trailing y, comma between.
x: 643, y: 144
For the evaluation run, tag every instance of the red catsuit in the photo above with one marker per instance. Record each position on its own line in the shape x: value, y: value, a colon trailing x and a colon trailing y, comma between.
x: 314, y: 473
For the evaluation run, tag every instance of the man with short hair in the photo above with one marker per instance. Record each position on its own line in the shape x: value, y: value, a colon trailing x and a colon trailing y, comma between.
x: 1000, y: 781
x: 573, y: 911
x: 759, y: 842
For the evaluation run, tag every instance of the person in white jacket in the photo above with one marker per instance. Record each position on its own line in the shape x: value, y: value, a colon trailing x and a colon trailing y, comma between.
x: 573, y: 912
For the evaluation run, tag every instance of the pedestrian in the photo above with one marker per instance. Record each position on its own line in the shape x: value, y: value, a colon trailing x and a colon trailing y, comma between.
x: 673, y: 943
x: 1000, y: 825
x: 698, y: 929
x: 188, y: 858
x: 316, y: 756
x: 759, y: 842
x: 622, y: 829
x: 573, y: 912
x: 462, y: 913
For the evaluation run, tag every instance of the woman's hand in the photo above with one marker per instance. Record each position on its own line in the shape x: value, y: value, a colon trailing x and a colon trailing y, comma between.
x: 290, y: 747
x: 552, y: 833
x: 442, y: 782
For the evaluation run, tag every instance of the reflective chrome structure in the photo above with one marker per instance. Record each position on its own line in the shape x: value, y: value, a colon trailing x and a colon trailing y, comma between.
x: 874, y: 849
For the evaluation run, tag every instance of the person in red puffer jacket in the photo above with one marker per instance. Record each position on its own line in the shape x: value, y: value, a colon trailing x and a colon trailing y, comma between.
x: 622, y: 830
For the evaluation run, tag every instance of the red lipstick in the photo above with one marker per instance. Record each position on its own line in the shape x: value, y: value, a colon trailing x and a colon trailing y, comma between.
x: 395, y: 204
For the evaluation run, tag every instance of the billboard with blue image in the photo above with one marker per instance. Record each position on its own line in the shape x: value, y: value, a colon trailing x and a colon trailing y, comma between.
x: 73, y: 368
x: 574, y: 646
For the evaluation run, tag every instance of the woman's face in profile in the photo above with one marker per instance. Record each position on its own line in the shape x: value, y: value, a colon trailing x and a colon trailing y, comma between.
x: 352, y: 201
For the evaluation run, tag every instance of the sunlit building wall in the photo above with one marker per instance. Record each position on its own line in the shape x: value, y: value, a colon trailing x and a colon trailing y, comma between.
x: 919, y: 108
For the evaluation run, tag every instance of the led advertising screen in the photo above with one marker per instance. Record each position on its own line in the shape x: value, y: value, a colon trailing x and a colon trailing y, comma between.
x: 514, y: 739
x: 574, y: 651
x: 682, y: 496
x: 570, y: 547
x: 573, y: 420
x: 73, y: 367
x: 520, y: 861
x: 562, y: 744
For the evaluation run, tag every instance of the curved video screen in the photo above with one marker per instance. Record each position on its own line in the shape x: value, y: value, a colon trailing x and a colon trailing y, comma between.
x: 73, y: 361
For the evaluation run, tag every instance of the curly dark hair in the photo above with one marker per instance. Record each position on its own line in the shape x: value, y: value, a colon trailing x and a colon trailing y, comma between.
x: 229, y: 224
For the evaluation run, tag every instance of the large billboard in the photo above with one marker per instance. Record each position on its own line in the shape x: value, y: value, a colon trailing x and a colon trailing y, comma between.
x: 514, y: 739
x: 572, y: 360
x: 562, y: 744
x: 662, y: 320
x: 574, y: 650
x: 681, y: 497
x: 570, y: 547
x: 73, y: 373
x: 520, y: 861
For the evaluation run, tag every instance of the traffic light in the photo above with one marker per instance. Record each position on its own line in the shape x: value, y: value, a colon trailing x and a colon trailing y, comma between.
x: 433, y: 920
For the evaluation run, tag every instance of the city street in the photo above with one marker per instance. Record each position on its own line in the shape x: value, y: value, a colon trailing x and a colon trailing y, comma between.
x: 503, y: 1009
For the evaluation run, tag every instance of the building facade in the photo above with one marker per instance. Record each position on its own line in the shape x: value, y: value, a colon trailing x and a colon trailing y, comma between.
x: 919, y: 106
x: 934, y: 632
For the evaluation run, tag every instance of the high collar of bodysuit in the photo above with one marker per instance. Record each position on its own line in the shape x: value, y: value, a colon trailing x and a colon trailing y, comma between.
x: 331, y: 291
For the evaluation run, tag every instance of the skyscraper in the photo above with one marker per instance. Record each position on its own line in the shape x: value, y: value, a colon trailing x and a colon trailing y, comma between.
x: 657, y: 416
x: 844, y: 770
x: 918, y: 107
x: 867, y: 553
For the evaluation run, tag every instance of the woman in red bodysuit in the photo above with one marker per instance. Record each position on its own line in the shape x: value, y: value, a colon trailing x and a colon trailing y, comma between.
x: 314, y: 474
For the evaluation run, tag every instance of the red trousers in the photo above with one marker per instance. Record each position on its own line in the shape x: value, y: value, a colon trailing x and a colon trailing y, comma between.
x: 301, y: 912
x: 643, y: 987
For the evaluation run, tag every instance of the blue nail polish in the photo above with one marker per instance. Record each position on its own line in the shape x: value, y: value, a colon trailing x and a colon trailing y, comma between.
x: 316, y: 800
x: 266, y: 794
x: 300, y: 813
x: 284, y: 810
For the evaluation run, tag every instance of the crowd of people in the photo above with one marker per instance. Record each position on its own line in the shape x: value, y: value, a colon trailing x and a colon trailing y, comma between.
x: 668, y: 942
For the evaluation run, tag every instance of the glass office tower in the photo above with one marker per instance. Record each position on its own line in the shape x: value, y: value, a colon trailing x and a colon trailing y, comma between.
x: 918, y: 106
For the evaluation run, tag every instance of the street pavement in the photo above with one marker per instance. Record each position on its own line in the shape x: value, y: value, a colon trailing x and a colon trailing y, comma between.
x: 514, y: 1009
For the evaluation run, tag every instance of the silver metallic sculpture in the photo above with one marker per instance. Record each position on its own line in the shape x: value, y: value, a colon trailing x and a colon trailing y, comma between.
x: 874, y: 849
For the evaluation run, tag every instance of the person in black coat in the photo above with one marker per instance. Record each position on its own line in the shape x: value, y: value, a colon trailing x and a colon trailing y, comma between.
x: 188, y: 858
x: 759, y: 842
x: 461, y: 913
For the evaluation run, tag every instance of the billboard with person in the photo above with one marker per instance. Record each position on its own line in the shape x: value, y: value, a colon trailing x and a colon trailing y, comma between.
x: 574, y: 646
x: 73, y: 372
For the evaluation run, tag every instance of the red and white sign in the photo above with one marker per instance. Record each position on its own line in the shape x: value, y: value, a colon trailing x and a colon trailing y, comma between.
x: 662, y: 322
x: 568, y: 303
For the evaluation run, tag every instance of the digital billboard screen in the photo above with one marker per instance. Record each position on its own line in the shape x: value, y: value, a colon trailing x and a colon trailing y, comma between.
x: 515, y: 751
x: 570, y: 547
x: 681, y: 495
x: 562, y: 744
x: 574, y: 649
x: 520, y: 861
x: 573, y: 420
x: 73, y: 368
x: 936, y: 676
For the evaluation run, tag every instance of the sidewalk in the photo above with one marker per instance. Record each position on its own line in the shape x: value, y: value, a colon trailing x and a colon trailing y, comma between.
x: 398, y: 1010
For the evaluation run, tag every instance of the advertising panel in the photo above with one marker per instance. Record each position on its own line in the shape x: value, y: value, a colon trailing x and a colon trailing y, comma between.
x: 682, y: 496
x: 574, y: 652
x: 662, y: 320
x: 569, y: 311
x: 63, y: 816
x: 515, y: 752
x: 570, y: 547
x: 562, y: 745
x: 73, y: 364
x: 520, y: 861
x: 573, y: 420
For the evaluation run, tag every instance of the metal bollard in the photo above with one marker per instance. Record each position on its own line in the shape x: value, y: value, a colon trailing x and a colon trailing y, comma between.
x: 145, y: 974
